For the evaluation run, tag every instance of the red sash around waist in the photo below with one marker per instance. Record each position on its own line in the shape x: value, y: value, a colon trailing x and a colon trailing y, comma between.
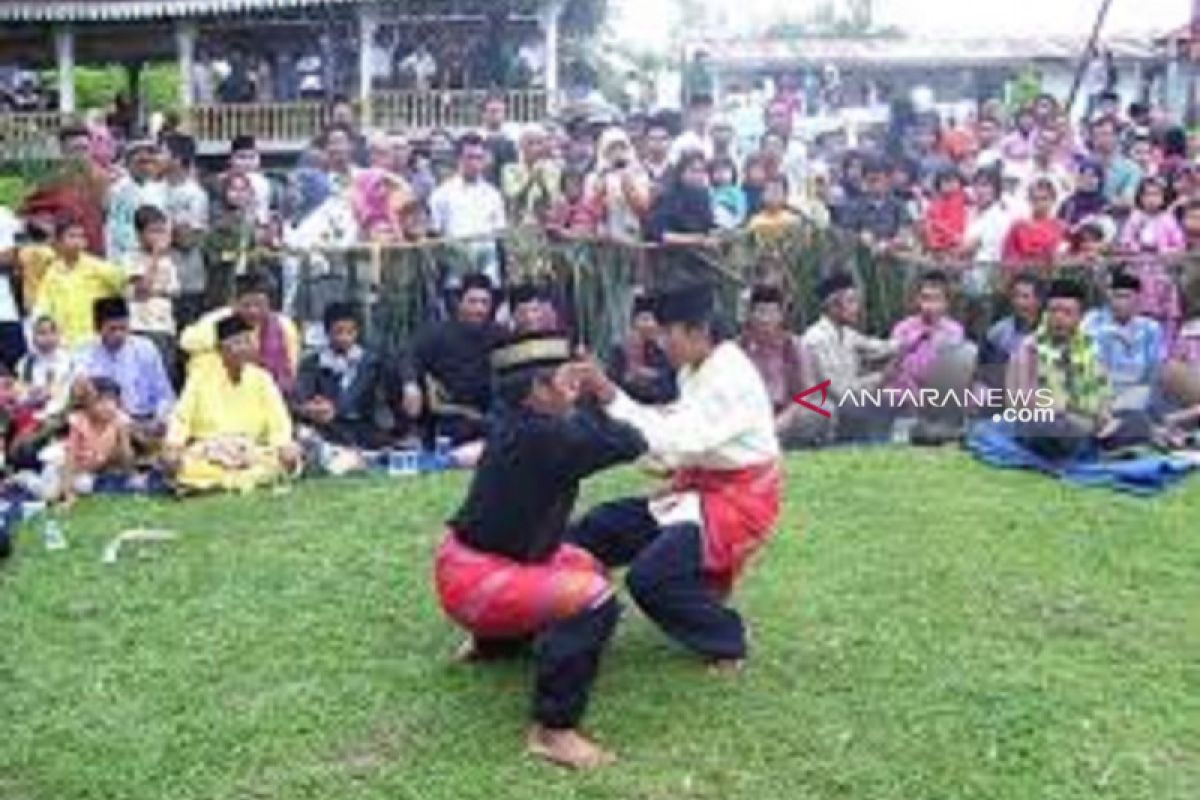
x: 740, y: 510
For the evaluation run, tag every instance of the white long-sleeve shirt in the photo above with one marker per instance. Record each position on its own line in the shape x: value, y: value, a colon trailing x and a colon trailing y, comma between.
x: 723, y: 419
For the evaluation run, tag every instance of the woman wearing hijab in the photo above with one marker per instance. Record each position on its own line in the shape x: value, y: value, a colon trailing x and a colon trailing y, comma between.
x: 682, y: 220
x: 1088, y: 200
x: 619, y: 187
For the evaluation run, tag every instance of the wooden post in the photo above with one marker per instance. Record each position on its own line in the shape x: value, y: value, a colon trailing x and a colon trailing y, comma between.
x: 185, y: 46
x: 64, y: 51
x: 367, y: 24
x: 549, y: 22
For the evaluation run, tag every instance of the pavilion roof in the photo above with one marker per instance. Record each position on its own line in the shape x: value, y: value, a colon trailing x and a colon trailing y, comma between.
x: 134, y: 10
x: 914, y: 51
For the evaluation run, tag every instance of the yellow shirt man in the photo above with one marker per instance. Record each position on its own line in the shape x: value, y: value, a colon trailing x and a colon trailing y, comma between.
x: 232, y: 434
x: 69, y: 292
x: 199, y: 341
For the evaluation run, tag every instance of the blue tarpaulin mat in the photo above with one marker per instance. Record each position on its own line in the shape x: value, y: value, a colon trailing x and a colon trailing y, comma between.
x: 995, y: 443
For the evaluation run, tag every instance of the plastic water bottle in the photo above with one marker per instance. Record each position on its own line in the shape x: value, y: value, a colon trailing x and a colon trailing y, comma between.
x: 52, y: 534
x: 403, y: 463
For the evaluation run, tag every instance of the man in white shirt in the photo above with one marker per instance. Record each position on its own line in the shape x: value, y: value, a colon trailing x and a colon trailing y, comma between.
x: 687, y: 546
x: 468, y: 206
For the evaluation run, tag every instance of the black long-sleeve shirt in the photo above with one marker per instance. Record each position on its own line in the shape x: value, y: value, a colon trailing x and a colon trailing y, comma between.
x: 526, y: 485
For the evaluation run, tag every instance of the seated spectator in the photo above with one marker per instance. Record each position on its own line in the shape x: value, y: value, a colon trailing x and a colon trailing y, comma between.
x: 639, y: 365
x: 99, y: 442
x: 573, y: 215
x: 851, y: 361
x: 134, y: 364
x: 778, y: 355
x: 775, y: 217
x: 532, y: 308
x: 877, y: 215
x: 274, y: 337
x: 1061, y: 362
x: 154, y: 284
x: 231, y: 430
x: 47, y: 371
x: 1025, y: 313
x: 945, y: 224
x: 1042, y: 237
x: 729, y: 201
x: 921, y: 336
x: 73, y: 284
x: 339, y: 388
x: 450, y: 385
x: 1129, y: 347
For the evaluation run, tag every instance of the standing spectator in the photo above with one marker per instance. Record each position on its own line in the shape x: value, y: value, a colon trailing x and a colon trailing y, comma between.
x: 780, y: 120
x: 1047, y: 162
x: 496, y: 138
x: 244, y: 161
x: 1041, y: 237
x: 1152, y: 230
x: 729, y: 201
x: 573, y: 215
x: 1121, y: 176
x: 619, y: 188
x: 1017, y: 146
x: 531, y: 185
x: 682, y: 221
x: 143, y: 186
x: 877, y: 216
x: 467, y: 206
x: 696, y: 138
x: 1088, y: 200
x: 12, y: 337
x: 74, y: 282
x: 419, y: 68
x: 187, y: 209
x: 154, y: 284
x: 775, y: 217
x: 987, y: 228
x: 78, y: 189
x: 944, y: 227
x: 134, y: 364
x: 343, y: 115
x: 339, y: 158
x: 989, y: 133
x: 656, y: 156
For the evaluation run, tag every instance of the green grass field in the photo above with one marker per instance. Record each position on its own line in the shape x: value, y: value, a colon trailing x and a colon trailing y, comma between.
x: 923, y: 628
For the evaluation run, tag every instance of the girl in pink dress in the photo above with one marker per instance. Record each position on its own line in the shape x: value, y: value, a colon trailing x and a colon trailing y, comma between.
x: 1153, y: 230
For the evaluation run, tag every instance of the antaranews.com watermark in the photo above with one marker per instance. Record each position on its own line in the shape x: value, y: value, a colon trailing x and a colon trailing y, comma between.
x: 1021, y: 406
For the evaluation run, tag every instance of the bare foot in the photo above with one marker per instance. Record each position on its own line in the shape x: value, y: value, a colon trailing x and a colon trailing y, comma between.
x: 566, y: 748
x: 468, y: 652
x: 727, y: 666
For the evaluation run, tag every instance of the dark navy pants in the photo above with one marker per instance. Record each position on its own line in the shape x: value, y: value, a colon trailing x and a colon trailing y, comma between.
x: 666, y: 575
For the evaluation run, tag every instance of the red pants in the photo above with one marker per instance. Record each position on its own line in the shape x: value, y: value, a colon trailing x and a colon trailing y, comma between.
x: 495, y: 597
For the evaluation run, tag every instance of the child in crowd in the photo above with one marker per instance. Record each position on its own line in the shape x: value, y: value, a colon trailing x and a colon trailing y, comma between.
x: 1041, y: 237
x: 573, y: 214
x: 74, y: 282
x: 45, y: 374
x: 729, y: 201
x: 98, y: 441
x: 775, y: 217
x: 154, y: 284
x: 1190, y: 224
x: 1153, y: 230
x: 945, y: 222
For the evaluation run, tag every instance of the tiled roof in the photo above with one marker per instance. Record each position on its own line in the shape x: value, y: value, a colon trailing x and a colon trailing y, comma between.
x: 128, y: 10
